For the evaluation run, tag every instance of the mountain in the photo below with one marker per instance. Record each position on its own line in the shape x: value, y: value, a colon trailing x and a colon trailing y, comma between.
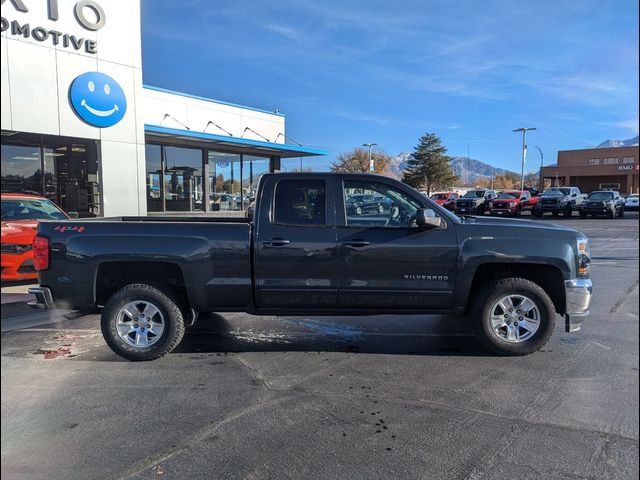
x: 619, y: 143
x: 469, y: 170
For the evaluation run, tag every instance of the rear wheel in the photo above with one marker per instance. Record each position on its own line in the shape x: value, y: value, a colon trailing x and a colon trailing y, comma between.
x: 358, y: 210
x: 142, y: 322
x: 514, y: 316
x: 380, y: 209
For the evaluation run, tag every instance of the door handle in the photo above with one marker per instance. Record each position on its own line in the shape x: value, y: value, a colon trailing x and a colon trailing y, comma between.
x: 356, y: 243
x: 276, y: 242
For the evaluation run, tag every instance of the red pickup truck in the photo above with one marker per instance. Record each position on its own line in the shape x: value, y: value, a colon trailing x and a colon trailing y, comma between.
x: 446, y: 199
x: 513, y: 203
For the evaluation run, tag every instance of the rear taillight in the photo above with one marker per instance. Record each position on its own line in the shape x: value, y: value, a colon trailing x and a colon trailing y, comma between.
x: 40, y: 253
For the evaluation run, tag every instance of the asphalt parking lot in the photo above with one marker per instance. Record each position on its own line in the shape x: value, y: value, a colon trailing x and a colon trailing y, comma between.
x: 339, y: 397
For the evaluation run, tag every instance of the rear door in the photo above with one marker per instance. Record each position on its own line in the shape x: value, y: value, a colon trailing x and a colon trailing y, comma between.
x: 296, y: 265
x: 388, y: 263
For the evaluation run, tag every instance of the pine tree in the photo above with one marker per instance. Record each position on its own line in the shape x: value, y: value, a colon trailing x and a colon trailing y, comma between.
x: 429, y: 167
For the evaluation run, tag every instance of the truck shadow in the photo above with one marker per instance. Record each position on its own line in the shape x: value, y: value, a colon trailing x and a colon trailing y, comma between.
x: 409, y: 335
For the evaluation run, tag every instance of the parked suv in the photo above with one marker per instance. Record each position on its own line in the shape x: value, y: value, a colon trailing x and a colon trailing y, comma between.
x: 475, y: 202
x: 360, y: 203
x: 607, y: 203
x: 559, y: 200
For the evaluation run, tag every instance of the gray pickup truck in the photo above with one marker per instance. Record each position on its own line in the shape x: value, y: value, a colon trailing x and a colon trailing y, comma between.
x: 303, y: 252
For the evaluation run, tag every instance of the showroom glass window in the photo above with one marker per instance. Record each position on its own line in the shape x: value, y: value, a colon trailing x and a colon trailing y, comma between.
x: 153, y: 160
x: 224, y: 181
x: 252, y: 169
x: 63, y: 169
x: 183, y: 186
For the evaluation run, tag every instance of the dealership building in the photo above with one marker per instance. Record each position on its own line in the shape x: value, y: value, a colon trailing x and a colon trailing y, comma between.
x: 595, y: 169
x: 80, y: 127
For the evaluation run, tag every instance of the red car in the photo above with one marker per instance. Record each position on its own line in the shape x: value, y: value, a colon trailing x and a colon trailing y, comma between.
x: 512, y: 202
x: 446, y: 199
x: 20, y: 215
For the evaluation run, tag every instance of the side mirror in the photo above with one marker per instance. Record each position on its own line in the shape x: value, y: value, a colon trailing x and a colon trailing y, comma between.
x: 427, y: 219
x: 73, y: 215
x: 574, y: 194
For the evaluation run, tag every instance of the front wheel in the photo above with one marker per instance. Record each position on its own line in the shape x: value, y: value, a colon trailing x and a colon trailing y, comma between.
x: 358, y: 210
x: 513, y: 316
x: 380, y: 209
x: 142, y: 322
x: 621, y: 214
x: 537, y: 214
x: 583, y: 215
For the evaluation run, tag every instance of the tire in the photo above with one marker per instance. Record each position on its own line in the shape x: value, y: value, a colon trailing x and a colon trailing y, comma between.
x: 358, y: 210
x: 583, y: 215
x: 518, y: 212
x: 537, y: 214
x: 568, y: 211
x: 167, y: 319
x: 612, y: 214
x: 380, y: 209
x: 621, y: 214
x: 485, y: 304
x: 555, y: 214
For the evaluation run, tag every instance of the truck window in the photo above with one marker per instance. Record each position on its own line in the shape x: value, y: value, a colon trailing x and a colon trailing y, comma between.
x: 388, y: 207
x: 300, y: 202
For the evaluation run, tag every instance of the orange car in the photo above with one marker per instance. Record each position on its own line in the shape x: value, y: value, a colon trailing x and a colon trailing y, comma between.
x: 20, y: 215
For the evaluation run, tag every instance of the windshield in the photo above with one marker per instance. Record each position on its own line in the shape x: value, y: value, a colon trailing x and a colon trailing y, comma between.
x: 506, y: 195
x: 600, y: 196
x: 557, y: 192
x: 474, y: 194
x: 30, y: 209
x: 439, y: 196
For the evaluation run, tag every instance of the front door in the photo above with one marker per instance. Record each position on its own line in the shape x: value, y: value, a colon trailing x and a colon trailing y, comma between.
x: 388, y: 262
x: 296, y: 261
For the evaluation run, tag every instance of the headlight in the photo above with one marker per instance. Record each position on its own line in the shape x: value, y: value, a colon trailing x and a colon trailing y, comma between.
x: 584, y: 256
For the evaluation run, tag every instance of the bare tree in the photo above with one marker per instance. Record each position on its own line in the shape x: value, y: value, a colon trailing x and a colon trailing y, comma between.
x: 357, y: 161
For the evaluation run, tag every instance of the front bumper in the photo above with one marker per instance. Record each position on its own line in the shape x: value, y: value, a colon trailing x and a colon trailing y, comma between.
x: 550, y: 208
x: 44, y: 298
x: 473, y: 210
x: 504, y: 211
x: 578, y: 294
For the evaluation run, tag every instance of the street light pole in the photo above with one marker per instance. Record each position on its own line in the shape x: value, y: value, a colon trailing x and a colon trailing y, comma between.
x: 541, y: 165
x: 371, y: 166
x: 524, y: 151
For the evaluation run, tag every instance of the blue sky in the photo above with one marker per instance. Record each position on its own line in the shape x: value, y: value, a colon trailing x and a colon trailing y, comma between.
x: 346, y: 72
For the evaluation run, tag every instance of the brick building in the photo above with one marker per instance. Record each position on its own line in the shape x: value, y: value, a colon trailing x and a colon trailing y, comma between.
x: 596, y: 168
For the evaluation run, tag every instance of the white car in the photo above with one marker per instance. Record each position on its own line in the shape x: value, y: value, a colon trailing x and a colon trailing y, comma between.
x: 631, y: 202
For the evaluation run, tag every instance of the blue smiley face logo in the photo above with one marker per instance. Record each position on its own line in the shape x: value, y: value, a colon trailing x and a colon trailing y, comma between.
x: 97, y: 99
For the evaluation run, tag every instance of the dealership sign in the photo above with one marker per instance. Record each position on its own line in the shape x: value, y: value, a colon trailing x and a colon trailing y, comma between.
x: 88, y: 13
x: 97, y: 99
x: 626, y: 168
